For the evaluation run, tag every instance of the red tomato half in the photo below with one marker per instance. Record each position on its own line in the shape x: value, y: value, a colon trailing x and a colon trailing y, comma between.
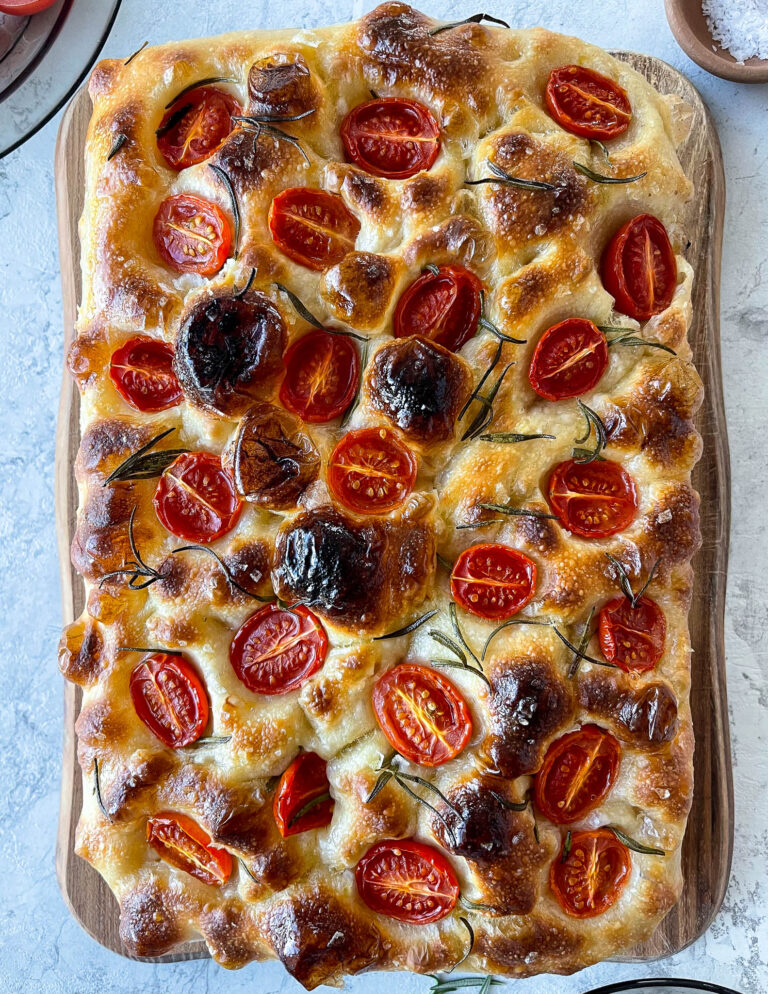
x: 170, y: 699
x: 632, y: 637
x: 595, y: 499
x: 370, y: 471
x: 408, y: 881
x: 391, y: 137
x: 192, y: 235
x: 302, y: 797
x: 23, y: 7
x: 586, y: 103
x: 443, y: 306
x: 591, y: 878
x: 196, y: 499
x: 569, y: 359
x: 579, y: 770
x: 195, y: 125
x: 422, y: 714
x: 142, y: 371
x: 184, y: 844
x: 312, y: 227
x: 493, y: 581
x: 639, y: 268
x: 276, y: 650
x: 321, y: 373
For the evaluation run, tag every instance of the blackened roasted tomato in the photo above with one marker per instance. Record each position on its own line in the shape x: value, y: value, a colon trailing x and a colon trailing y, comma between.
x: 632, y: 637
x: 407, y: 880
x: 194, y: 126
x: 142, y: 371
x: 493, y: 581
x: 195, y: 498
x: 280, y: 85
x: 391, y: 137
x: 639, y: 268
x: 370, y: 471
x: 578, y: 772
x: 170, y: 699
x: 569, y: 360
x: 595, y: 499
x: 192, y: 235
x: 276, y: 650
x: 443, y: 306
x: 586, y: 103
x: 184, y: 844
x: 321, y: 376
x: 303, y: 796
x: 314, y: 228
x: 591, y: 877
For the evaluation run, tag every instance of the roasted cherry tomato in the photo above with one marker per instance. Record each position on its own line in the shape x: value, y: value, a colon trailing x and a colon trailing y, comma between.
x: 321, y: 374
x: 595, y: 499
x: 579, y: 770
x: 632, y: 637
x: 302, y: 798
x: 407, y: 880
x: 312, y: 227
x: 184, y: 844
x: 586, y: 103
x: 569, y: 359
x: 639, y: 268
x: 493, y: 581
x: 192, y: 235
x: 195, y: 125
x: 276, y: 650
x: 422, y: 714
x: 170, y: 699
x: 21, y: 8
x: 370, y: 471
x: 391, y: 137
x: 142, y: 371
x: 195, y: 498
x: 443, y: 306
x: 592, y: 876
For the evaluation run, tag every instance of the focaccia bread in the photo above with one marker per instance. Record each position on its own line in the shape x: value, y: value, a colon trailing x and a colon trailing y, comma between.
x: 391, y: 394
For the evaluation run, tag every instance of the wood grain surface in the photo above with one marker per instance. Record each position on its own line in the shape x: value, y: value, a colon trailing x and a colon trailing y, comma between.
x: 708, y: 843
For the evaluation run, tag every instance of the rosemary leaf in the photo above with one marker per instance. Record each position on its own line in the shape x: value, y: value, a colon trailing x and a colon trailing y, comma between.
x: 593, y: 420
x: 173, y: 120
x: 261, y: 127
x: 480, y: 524
x: 247, y: 869
x: 509, y: 805
x: 444, y: 562
x: 363, y: 363
x: 580, y: 654
x: 471, y: 931
x: 299, y: 307
x: 630, y: 843
x: 635, y: 341
x: 483, y: 322
x: 521, y: 511
x: 408, y: 628
x: 449, y: 643
x: 97, y: 790
x: 135, y: 569
x: 134, y: 461
x: 449, y: 985
x: 602, y: 147
x: 208, y: 740
x: 624, y: 581
x: 239, y: 294
x: 201, y: 82
x: 432, y: 268
x: 309, y: 806
x: 567, y: 847
x: 465, y: 902
x: 484, y: 418
x: 458, y: 632
x: 449, y: 831
x: 145, y: 649
x: 120, y: 140
x: 483, y: 378
x: 647, y: 583
x: 275, y: 118
x: 586, y: 635
x: 380, y: 784
x: 474, y: 19
x: 510, y: 436
x: 130, y: 59
x: 224, y: 568
x: 508, y: 624
x: 599, y: 178
x: 472, y: 670
x: 224, y: 177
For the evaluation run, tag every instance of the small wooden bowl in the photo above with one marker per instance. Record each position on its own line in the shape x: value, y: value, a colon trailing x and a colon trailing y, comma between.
x: 689, y: 26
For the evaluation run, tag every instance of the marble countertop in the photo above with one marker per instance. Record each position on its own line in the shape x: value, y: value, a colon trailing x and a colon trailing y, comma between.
x: 42, y: 949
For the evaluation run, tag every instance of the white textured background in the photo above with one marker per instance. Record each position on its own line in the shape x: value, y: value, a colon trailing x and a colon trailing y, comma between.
x: 42, y: 950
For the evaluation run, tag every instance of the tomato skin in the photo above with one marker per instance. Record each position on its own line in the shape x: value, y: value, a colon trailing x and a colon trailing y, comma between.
x: 426, y: 735
x: 586, y: 103
x: 591, y: 878
x: 493, y: 581
x: 639, y: 289
x: 593, y: 500
x: 632, y: 638
x: 199, y: 226
x: 293, y: 642
x: 569, y: 360
x: 142, y: 372
x: 368, y: 459
x: 578, y: 772
x: 391, y: 137
x: 202, y: 122
x: 196, y: 499
x: 20, y: 8
x: 304, y: 781
x: 321, y: 374
x: 170, y: 699
x: 443, y: 307
x: 313, y: 228
x: 404, y: 862
x: 186, y: 845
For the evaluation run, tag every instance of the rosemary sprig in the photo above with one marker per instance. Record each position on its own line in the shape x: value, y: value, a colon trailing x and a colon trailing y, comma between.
x: 485, y: 322
x: 522, y: 511
x: 208, y: 740
x: 624, y: 581
x: 629, y: 338
x: 580, y: 652
x: 599, y: 178
x: 479, y: 524
x: 247, y: 869
x: 463, y: 663
x: 586, y: 635
x: 509, y: 805
x: 224, y: 569
x: 470, y: 905
x: 136, y: 569
x: 201, y: 82
x: 310, y: 318
x: 451, y: 984
x: 224, y: 177
x: 458, y: 632
x: 130, y: 59
x: 120, y: 140
x: 484, y: 417
x: 408, y: 628
x: 483, y: 378
x: 473, y: 19
x: 508, y: 437
x: 274, y: 118
x: 593, y: 420
x: 146, y: 648
x: 508, y: 624
x: 140, y: 466
x: 465, y: 922
x: 239, y: 294
x: 506, y: 179
x: 260, y: 127
x: 309, y: 806
x: 173, y: 120
x: 635, y: 846
x: 97, y: 790
x: 602, y: 147
x: 363, y: 363
x: 567, y: 846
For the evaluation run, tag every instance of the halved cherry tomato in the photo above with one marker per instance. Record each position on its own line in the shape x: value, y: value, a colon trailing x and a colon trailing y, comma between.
x: 422, y: 714
x: 312, y: 227
x: 569, y: 359
x: 142, y: 371
x: 23, y: 7
x: 639, y: 269
x: 632, y: 637
x: 321, y: 373
x: 493, y: 581
x: 184, y: 844
x: 302, y: 797
x: 407, y: 880
x: 192, y: 235
x: 276, y: 650
x: 391, y: 137
x: 595, y: 499
x: 443, y: 306
x: 370, y: 471
x: 170, y: 699
x: 586, y: 103
x: 579, y: 770
x: 195, y: 125
x: 592, y: 876
x: 196, y: 499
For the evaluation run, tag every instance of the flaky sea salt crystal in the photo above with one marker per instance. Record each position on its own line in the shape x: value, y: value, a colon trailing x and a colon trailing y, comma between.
x: 740, y: 26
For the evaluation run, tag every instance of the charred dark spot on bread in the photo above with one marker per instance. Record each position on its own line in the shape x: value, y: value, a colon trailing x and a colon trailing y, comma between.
x: 82, y: 651
x: 280, y: 85
x: 105, y: 444
x: 539, y: 939
x: 230, y: 935
x: 646, y: 715
x: 150, y: 920
x: 459, y: 239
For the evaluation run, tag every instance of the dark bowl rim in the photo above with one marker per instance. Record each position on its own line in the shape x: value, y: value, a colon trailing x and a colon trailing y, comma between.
x: 633, y: 985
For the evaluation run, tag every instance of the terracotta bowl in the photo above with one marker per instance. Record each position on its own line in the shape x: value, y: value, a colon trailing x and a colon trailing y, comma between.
x: 689, y: 26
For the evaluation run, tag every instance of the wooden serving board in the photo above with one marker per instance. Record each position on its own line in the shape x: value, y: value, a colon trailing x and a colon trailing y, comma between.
x: 708, y: 843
